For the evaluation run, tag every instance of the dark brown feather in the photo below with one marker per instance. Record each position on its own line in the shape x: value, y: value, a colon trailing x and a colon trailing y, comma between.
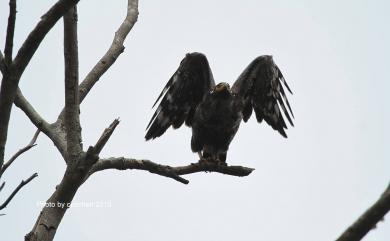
x: 260, y: 85
x: 181, y: 95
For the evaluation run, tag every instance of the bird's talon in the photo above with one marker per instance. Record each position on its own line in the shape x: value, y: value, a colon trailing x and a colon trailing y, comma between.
x: 203, y: 160
x: 221, y: 163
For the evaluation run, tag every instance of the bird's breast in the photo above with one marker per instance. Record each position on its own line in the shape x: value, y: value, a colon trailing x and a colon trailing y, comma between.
x: 219, y: 113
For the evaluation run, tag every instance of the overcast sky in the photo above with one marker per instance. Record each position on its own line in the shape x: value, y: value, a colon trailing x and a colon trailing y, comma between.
x: 335, y: 56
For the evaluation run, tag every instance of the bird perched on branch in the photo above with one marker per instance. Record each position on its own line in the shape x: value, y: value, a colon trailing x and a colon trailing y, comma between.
x: 214, y: 112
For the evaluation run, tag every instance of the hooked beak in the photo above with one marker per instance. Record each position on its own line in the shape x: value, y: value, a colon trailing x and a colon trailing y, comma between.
x: 221, y: 87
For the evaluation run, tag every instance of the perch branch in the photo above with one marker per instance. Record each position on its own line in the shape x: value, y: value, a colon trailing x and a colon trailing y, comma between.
x: 72, y: 120
x: 238, y: 171
x: 24, y: 182
x: 20, y: 152
x: 9, y: 39
x: 369, y: 219
x: 122, y: 163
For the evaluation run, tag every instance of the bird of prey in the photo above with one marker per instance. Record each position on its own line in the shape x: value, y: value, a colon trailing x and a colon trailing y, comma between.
x: 214, y: 112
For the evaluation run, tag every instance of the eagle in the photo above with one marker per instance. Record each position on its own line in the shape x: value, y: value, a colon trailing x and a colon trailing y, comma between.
x: 214, y: 112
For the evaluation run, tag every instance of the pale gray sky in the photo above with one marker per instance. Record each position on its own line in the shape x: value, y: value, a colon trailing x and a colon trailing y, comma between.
x: 311, y: 186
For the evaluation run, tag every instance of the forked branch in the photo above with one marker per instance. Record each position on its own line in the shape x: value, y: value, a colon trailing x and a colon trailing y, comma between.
x: 14, y: 71
x: 51, y: 131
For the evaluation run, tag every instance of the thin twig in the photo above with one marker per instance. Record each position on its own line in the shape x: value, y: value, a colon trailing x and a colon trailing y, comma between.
x: 2, y: 186
x: 9, y: 40
x: 369, y: 219
x: 24, y: 182
x: 105, y: 136
x: 21, y: 151
x: 92, y: 155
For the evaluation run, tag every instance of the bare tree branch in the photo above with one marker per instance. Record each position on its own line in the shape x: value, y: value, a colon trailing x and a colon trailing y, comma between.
x: 2, y: 186
x: 9, y: 40
x: 24, y: 182
x: 122, y: 163
x: 92, y: 155
x: 369, y: 219
x: 72, y: 120
x: 22, y: 103
x: 54, y: 131
x: 20, y: 152
x: 105, y: 136
x: 238, y: 171
x: 113, y: 52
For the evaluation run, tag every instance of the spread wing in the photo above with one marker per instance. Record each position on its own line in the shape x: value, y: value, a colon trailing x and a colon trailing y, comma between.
x: 260, y: 86
x: 181, y: 95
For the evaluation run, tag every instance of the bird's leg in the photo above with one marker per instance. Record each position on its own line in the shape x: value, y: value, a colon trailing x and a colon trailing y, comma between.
x: 202, y: 158
x: 222, y: 158
x: 205, y: 157
x: 215, y: 157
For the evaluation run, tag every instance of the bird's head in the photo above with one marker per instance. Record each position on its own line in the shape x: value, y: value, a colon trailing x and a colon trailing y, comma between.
x: 222, y: 88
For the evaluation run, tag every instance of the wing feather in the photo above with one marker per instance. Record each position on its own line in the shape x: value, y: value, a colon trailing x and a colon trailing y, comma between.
x: 181, y: 95
x: 261, y: 87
